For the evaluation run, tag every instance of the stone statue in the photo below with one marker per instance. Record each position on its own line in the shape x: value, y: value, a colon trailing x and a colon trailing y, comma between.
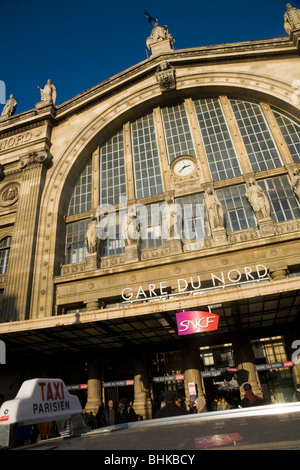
x: 171, y: 219
x: 159, y: 33
x: 165, y: 76
x: 131, y: 228
x: 296, y: 181
x: 91, y: 236
x: 10, y: 107
x: 214, y: 210
x: 291, y: 19
x: 258, y: 200
x: 48, y: 93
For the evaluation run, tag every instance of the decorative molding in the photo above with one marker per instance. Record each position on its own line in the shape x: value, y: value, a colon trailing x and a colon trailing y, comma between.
x: 112, y: 261
x: 34, y: 159
x: 153, y: 253
x: 165, y: 76
x: 9, y: 194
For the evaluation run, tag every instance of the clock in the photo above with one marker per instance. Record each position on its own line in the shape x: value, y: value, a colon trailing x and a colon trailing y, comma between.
x: 184, y: 167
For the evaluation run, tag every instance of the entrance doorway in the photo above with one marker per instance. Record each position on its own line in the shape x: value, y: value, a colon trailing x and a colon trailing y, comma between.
x: 276, y: 380
x: 116, y: 392
x: 219, y: 375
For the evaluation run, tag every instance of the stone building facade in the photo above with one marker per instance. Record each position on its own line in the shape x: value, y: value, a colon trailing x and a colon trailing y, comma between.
x: 90, y: 281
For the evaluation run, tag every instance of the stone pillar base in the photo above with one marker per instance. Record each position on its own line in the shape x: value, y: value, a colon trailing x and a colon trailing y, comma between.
x: 175, y: 246
x: 266, y: 227
x: 91, y: 261
x: 219, y: 236
x: 142, y: 405
x: 132, y: 254
x: 93, y: 305
x: 279, y: 273
x: 160, y: 46
x: 94, y: 397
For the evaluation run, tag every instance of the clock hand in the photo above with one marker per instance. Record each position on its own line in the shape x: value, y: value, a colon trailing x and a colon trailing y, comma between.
x: 186, y: 166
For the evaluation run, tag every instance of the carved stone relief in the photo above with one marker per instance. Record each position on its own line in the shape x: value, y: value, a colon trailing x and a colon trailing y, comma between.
x: 9, y: 195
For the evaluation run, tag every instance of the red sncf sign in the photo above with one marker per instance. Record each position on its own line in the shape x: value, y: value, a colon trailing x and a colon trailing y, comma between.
x: 196, y: 322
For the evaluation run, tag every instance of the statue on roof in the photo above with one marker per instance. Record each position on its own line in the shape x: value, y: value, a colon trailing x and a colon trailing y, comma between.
x: 10, y: 107
x: 159, y: 34
x: 48, y: 93
x: 291, y: 19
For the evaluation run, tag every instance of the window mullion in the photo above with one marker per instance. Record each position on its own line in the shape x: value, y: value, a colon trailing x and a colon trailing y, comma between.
x: 277, y: 135
x: 235, y: 136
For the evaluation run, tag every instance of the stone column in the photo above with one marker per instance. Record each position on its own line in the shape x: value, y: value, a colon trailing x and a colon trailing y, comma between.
x: 163, y: 153
x: 277, y: 135
x: 17, y: 294
x: 191, y: 367
x: 235, y: 135
x: 128, y: 163
x: 205, y: 176
x: 94, y: 397
x: 142, y: 400
x: 245, y: 362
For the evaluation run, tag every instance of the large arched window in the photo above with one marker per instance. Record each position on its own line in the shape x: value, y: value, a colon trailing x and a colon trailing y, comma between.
x: 140, y: 171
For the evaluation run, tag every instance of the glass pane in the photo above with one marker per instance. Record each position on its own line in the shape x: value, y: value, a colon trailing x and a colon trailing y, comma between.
x: 238, y: 213
x: 284, y: 205
x: 177, y: 132
x: 112, y: 170
x: 291, y: 133
x: 148, y: 182
x: 81, y: 197
x: 222, y: 159
x: 259, y: 144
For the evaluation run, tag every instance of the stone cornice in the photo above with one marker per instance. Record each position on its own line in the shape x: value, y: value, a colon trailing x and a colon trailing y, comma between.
x: 235, y: 52
x: 187, y: 302
x: 206, y: 55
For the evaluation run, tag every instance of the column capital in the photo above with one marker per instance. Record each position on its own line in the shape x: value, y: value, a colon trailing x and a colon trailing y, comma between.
x: 41, y: 157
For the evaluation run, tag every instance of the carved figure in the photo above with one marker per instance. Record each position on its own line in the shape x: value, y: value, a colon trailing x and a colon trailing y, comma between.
x: 257, y: 199
x: 165, y: 76
x: 296, y: 181
x: 91, y: 236
x: 10, y: 194
x: 131, y: 228
x: 48, y: 93
x: 159, y: 33
x: 10, y: 107
x: 171, y: 219
x: 291, y: 18
x: 214, y: 209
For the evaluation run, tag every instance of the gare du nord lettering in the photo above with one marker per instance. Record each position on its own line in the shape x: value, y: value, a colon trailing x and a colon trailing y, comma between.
x: 217, y: 280
x: 15, y: 140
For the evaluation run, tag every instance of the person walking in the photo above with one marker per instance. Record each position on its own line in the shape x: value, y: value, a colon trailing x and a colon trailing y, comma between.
x: 222, y: 404
x: 250, y: 399
x: 109, y: 415
x: 170, y: 408
x: 126, y: 412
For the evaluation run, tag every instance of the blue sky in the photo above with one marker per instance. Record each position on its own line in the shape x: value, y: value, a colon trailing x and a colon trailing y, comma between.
x: 80, y: 43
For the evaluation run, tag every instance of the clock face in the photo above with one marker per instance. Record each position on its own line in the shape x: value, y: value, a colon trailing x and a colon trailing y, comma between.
x: 184, y: 167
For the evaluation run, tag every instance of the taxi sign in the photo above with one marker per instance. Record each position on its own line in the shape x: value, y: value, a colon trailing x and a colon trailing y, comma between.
x: 40, y: 401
